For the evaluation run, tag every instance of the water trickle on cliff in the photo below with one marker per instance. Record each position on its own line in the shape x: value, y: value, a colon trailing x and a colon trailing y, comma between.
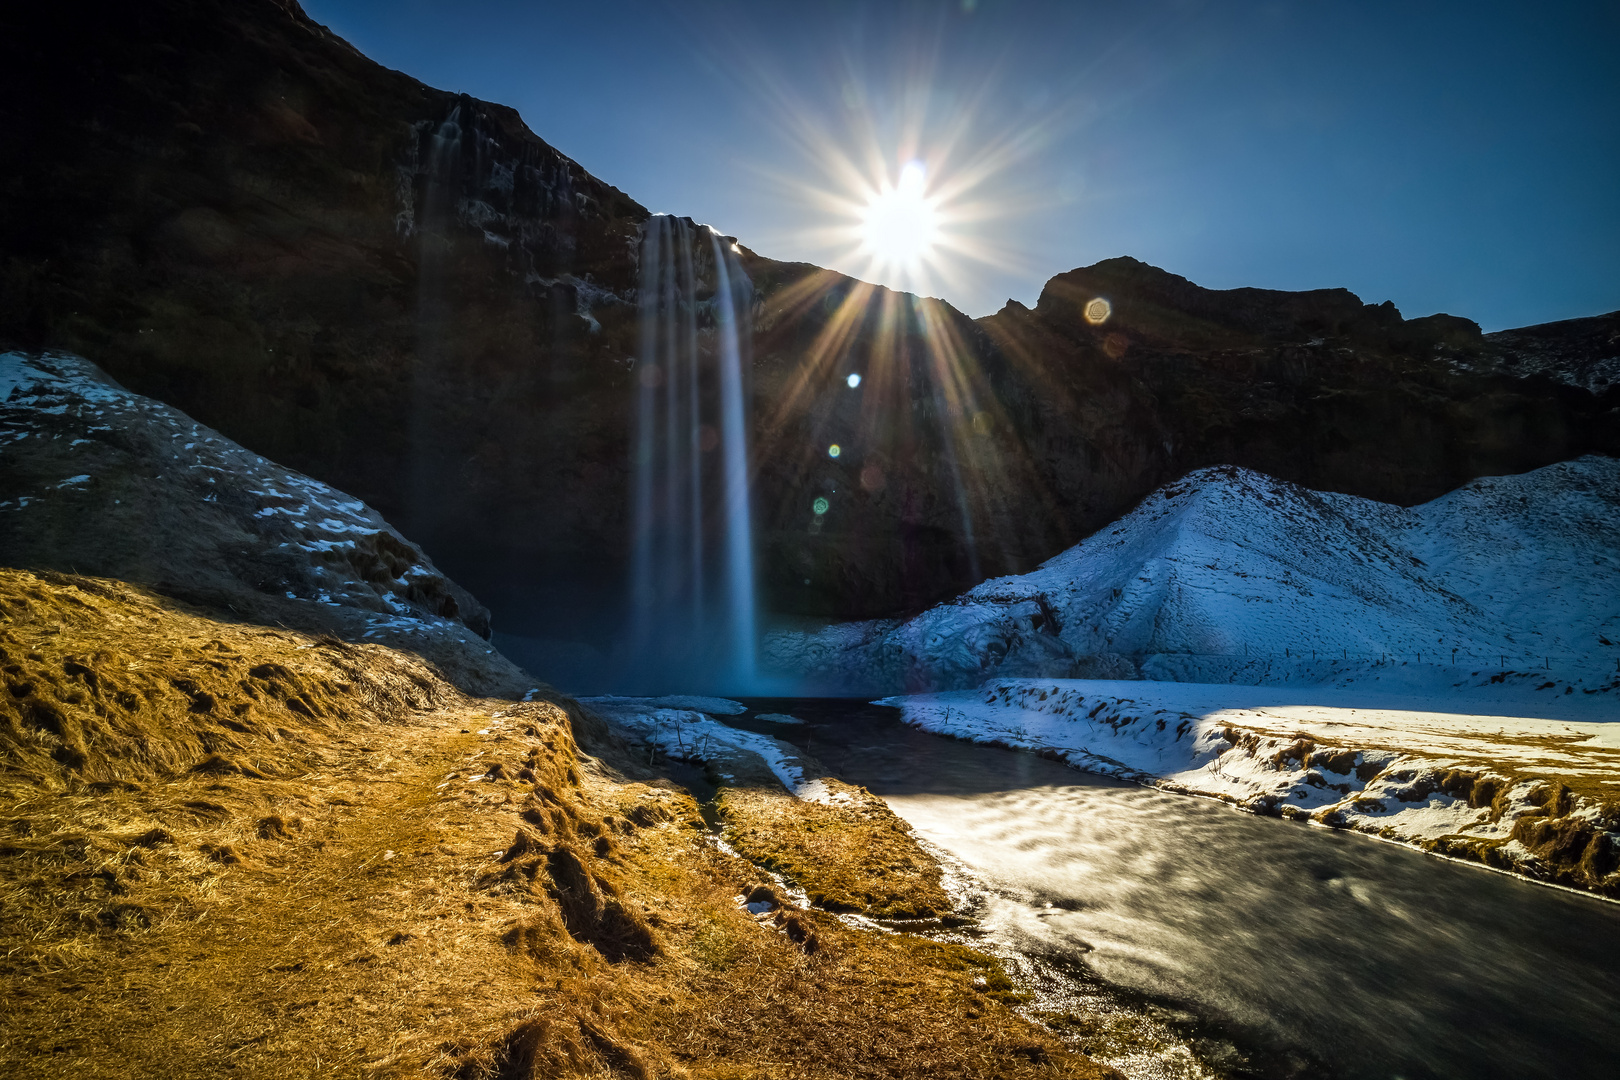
x: 692, y: 596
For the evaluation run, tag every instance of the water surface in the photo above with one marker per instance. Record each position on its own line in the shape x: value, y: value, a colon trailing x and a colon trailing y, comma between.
x: 1319, y: 952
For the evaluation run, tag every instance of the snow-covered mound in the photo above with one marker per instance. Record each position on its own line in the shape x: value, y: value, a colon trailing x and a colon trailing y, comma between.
x: 102, y: 481
x: 1232, y: 576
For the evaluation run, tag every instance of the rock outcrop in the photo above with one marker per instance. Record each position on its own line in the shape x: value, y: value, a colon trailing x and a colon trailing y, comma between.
x: 396, y: 289
x: 407, y: 294
x: 98, y: 480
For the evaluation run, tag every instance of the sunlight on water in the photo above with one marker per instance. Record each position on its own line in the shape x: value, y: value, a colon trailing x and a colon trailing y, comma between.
x: 1320, y: 953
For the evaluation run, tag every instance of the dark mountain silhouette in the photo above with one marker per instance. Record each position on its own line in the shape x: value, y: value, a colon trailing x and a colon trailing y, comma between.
x: 408, y: 295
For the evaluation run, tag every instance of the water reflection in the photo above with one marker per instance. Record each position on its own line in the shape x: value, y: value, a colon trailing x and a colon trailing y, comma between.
x: 1308, y: 943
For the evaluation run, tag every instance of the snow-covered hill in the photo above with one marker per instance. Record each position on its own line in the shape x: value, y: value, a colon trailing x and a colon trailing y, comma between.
x: 1232, y: 576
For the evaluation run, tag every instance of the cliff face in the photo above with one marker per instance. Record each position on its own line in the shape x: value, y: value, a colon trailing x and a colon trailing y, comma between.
x: 406, y: 294
x: 1314, y: 387
x: 1002, y: 441
x: 388, y: 286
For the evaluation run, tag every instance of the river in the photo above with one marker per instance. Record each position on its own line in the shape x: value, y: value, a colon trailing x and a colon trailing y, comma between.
x: 1311, y: 952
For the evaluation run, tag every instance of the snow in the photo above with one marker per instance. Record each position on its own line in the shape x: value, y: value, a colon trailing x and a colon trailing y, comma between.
x: 1367, y: 761
x: 683, y: 728
x: 1291, y: 651
x: 1232, y: 576
x: 68, y: 396
x: 714, y: 706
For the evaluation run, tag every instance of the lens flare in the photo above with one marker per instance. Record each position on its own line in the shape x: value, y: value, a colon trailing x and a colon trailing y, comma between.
x: 908, y: 183
x: 834, y: 450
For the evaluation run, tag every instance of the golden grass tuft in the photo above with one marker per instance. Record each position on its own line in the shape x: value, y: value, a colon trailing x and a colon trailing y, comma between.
x: 854, y: 854
x: 108, y: 686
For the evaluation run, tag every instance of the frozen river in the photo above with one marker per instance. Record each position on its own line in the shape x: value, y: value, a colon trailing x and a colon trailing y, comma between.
x: 1317, y: 953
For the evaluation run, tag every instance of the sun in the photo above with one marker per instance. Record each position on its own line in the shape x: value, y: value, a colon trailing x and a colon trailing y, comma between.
x: 900, y: 223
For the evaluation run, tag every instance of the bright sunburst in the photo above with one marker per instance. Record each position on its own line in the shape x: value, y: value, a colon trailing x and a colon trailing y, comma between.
x: 900, y: 223
x: 904, y: 180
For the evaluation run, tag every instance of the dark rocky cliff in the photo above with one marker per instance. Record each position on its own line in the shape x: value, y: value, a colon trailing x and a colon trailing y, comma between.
x: 407, y: 294
x: 232, y: 210
x: 1051, y: 426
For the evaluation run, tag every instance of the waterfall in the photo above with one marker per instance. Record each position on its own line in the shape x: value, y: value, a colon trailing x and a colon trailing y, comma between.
x: 692, y: 594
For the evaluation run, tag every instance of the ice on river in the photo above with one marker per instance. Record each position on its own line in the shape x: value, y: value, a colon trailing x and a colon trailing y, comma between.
x: 1373, y: 762
x: 684, y: 727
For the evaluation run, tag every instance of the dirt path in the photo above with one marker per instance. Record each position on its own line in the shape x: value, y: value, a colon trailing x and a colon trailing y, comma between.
x: 354, y: 946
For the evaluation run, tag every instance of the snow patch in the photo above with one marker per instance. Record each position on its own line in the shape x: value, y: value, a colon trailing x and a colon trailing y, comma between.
x: 678, y: 729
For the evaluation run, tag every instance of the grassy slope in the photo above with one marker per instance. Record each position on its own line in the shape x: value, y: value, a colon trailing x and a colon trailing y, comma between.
x: 852, y: 854
x: 232, y: 848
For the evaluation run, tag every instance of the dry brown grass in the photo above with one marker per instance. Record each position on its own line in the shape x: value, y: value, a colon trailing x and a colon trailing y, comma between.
x: 402, y: 881
x: 109, y: 686
x: 854, y: 854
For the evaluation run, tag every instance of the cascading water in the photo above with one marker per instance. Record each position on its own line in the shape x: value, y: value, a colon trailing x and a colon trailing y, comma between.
x: 692, y: 597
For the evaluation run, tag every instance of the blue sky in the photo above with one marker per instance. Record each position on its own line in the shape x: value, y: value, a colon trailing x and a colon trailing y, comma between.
x: 1459, y: 157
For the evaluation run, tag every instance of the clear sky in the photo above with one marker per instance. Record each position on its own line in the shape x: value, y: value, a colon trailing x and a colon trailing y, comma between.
x: 1459, y: 157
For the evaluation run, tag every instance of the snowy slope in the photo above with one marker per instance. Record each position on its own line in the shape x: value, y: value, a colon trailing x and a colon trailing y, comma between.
x: 1230, y: 575
x: 98, y: 480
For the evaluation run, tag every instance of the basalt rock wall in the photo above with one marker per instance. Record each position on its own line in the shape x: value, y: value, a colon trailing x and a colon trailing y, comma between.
x: 407, y: 294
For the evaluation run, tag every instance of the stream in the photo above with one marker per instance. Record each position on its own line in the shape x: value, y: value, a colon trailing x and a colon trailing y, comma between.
x: 1308, y: 951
